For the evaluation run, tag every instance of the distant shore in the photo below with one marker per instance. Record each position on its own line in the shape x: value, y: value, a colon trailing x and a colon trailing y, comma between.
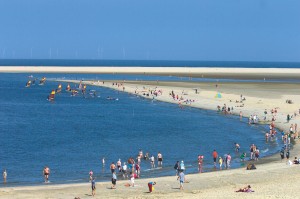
x: 272, y: 179
x: 195, y: 72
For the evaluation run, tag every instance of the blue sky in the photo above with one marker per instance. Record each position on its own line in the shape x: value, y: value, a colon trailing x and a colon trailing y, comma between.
x: 218, y: 30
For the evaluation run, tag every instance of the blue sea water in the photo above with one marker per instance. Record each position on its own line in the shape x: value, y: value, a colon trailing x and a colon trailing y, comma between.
x: 153, y: 63
x: 72, y: 134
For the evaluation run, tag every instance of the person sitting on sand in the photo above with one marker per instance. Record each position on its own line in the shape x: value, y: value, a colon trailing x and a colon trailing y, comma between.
x: 296, y: 161
x: 246, y: 189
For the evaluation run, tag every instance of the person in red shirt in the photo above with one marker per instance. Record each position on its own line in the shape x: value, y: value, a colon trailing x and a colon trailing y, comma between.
x: 215, y: 156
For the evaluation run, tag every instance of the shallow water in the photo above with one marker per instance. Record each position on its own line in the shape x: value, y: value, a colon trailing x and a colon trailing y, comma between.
x: 72, y: 134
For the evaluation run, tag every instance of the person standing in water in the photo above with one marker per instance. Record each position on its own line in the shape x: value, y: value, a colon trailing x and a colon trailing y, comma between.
x: 119, y: 165
x: 103, y: 161
x: 91, y: 175
x: 152, y: 161
x: 159, y: 159
x: 200, y: 163
x: 4, y: 175
x: 237, y: 147
x: 215, y: 155
x: 46, y: 173
x: 112, y: 167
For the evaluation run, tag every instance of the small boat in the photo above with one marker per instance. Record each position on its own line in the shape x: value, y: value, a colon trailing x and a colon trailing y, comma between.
x: 42, y: 81
x: 28, y: 83
x: 68, y: 88
x: 58, y: 90
x: 51, y: 96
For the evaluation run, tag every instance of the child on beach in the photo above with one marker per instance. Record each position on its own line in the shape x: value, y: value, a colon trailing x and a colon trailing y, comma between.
x: 243, y: 156
x: 151, y: 186
x: 181, y: 179
x: 114, y: 180
x: 132, y: 176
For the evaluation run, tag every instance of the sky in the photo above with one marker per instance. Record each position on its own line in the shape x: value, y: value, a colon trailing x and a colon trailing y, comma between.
x: 215, y: 30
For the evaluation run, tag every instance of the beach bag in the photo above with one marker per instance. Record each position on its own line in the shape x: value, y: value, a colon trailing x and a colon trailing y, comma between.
x: 251, y: 167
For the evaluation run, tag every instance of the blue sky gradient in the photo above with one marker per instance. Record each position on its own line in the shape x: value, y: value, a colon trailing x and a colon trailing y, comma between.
x: 216, y: 30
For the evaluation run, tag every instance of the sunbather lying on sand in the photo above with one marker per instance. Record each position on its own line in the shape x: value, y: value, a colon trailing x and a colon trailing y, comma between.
x: 246, y: 189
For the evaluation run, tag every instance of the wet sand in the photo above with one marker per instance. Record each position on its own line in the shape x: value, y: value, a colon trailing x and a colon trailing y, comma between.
x: 272, y: 179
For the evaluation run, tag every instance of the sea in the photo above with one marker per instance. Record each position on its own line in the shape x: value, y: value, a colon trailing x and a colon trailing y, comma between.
x: 72, y: 134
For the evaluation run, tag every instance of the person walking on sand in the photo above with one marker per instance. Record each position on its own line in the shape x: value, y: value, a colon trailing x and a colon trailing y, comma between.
x: 46, y: 173
x: 181, y: 179
x: 114, y: 180
x: 215, y: 155
x: 159, y: 159
x: 282, y: 154
x: 93, y: 187
x: 4, y: 175
x: 151, y: 186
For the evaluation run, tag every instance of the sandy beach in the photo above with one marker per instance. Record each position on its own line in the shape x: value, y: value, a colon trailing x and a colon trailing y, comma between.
x: 271, y: 179
x: 201, y: 72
